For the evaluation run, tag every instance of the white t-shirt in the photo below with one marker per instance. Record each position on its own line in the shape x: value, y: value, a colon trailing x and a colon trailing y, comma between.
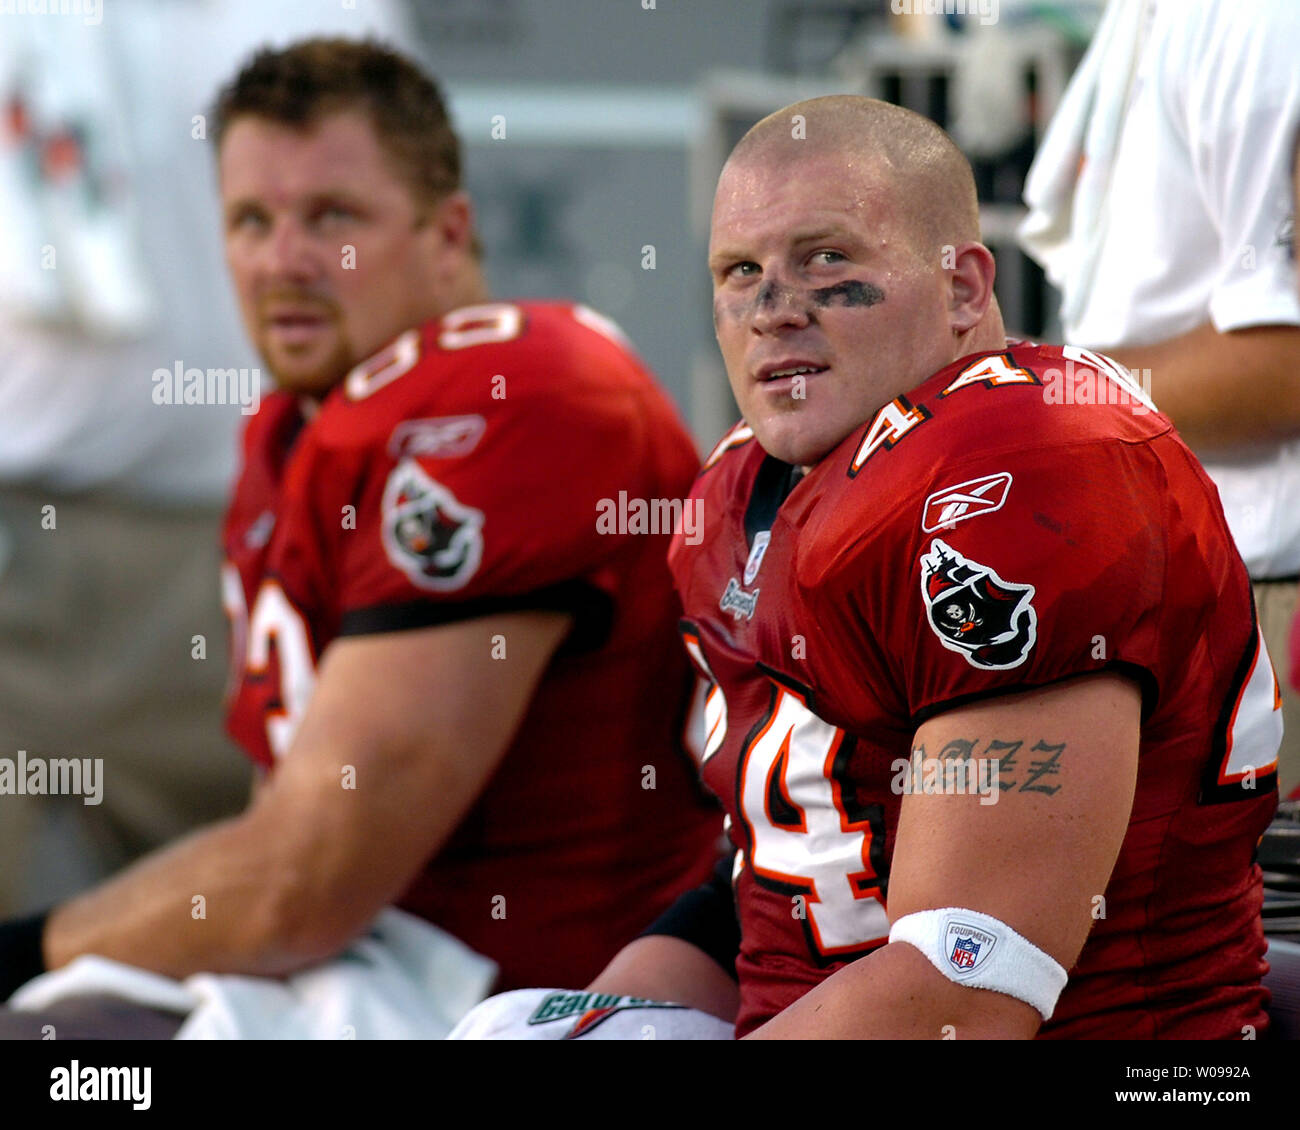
x: 112, y: 268
x: 1186, y: 113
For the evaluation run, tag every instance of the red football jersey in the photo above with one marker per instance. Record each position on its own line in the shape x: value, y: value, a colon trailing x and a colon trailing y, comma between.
x: 463, y: 471
x: 991, y: 531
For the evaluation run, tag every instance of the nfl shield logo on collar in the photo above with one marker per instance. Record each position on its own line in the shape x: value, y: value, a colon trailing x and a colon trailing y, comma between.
x: 756, y: 556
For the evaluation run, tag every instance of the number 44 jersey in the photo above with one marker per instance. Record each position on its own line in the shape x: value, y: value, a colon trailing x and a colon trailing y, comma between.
x: 464, y: 471
x: 1021, y: 518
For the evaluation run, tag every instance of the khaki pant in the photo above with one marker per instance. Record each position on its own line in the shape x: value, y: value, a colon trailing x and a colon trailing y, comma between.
x: 97, y: 623
x: 1276, y: 602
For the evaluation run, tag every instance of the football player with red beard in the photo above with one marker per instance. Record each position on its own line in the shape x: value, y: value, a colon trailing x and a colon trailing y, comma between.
x: 467, y: 694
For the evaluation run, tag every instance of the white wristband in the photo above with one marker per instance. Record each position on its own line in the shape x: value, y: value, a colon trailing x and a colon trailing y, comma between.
x: 982, y: 952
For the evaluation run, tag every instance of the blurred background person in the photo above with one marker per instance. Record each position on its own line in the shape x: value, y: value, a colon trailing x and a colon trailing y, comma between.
x: 1161, y: 206
x: 112, y: 641
x: 464, y: 692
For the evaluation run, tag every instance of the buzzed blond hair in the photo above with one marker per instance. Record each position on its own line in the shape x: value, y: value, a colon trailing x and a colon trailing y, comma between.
x: 929, y: 178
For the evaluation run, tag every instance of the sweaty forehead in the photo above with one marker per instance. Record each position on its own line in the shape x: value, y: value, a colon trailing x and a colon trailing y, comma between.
x: 809, y: 193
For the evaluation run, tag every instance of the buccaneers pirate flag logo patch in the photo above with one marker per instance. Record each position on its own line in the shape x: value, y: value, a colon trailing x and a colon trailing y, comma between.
x: 974, y: 611
x: 428, y: 533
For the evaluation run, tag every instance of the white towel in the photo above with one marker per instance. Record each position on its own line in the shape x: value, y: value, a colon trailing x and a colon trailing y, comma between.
x: 69, y: 253
x: 1065, y: 194
x: 571, y: 1014
x: 405, y: 979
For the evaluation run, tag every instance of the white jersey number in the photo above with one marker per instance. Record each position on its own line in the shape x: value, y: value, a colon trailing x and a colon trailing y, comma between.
x: 806, y: 836
x: 1247, y: 743
x: 274, y: 620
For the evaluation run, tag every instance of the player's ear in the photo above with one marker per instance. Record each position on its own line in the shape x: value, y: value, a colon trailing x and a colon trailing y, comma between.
x: 452, y: 220
x: 970, y: 284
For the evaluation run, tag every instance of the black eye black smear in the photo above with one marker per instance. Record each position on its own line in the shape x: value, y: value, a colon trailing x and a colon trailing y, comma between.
x: 852, y: 292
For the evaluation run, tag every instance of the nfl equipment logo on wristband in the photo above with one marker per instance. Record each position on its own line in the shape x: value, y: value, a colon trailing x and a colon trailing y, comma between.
x: 975, y: 949
x: 968, y: 946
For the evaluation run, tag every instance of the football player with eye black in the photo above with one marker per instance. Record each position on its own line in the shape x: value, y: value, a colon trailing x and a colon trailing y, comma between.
x: 991, y: 715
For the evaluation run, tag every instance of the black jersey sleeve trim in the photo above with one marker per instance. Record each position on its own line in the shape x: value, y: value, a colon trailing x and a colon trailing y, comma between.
x: 591, y: 608
x: 1145, y: 679
x: 706, y: 918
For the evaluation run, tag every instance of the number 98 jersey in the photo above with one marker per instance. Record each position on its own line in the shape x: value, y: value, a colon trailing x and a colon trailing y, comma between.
x: 461, y: 472
x: 1020, y: 518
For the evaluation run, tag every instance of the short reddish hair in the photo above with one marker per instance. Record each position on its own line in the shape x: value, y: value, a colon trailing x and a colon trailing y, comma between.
x: 300, y: 84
